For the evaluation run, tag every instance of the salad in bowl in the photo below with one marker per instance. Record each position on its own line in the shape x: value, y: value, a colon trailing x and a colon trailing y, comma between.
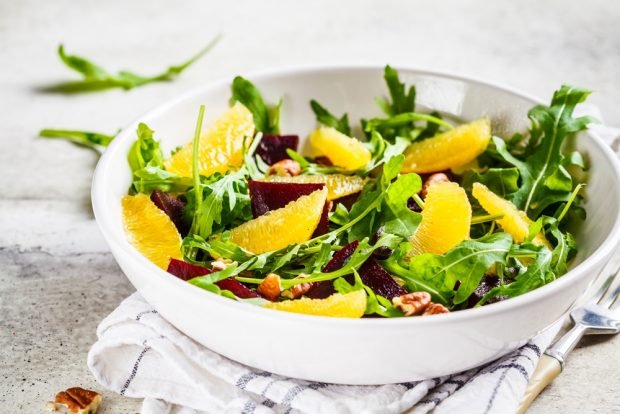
x: 411, y: 213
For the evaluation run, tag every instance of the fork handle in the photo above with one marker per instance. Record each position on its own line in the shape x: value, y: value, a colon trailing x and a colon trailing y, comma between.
x: 546, y: 371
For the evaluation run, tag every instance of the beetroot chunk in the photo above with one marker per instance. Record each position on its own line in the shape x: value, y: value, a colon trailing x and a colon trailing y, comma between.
x: 272, y: 148
x: 187, y: 271
x: 324, y: 289
x: 173, y: 207
x: 323, y: 226
x: 266, y: 196
x: 237, y: 288
x: 381, y: 282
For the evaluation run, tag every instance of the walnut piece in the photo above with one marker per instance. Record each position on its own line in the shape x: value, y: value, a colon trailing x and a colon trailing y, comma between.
x: 297, y: 291
x: 435, y: 309
x: 285, y: 168
x: 220, y: 264
x: 413, y: 303
x: 433, y: 179
x: 76, y: 400
x: 270, y: 287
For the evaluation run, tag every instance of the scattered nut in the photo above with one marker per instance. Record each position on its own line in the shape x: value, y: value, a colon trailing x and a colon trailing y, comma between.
x: 413, y: 303
x: 433, y: 179
x: 435, y: 309
x: 220, y: 264
x: 270, y: 287
x: 76, y: 400
x: 285, y: 168
x: 297, y: 291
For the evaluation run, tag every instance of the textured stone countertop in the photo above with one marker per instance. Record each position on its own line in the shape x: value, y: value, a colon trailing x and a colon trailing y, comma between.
x: 57, y: 277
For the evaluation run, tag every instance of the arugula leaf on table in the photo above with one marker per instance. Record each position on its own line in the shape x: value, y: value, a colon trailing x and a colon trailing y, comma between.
x: 437, y: 274
x: 543, y: 179
x: 324, y: 117
x: 93, y: 140
x: 97, y: 78
x: 266, y: 119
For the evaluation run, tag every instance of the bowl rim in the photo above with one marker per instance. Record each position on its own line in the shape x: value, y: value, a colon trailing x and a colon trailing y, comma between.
x: 99, y: 201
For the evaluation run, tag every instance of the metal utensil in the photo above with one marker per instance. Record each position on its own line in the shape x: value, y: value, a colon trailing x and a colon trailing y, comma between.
x: 596, y: 317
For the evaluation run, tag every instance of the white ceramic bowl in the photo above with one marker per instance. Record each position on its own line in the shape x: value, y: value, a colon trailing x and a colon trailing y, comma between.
x: 366, y: 351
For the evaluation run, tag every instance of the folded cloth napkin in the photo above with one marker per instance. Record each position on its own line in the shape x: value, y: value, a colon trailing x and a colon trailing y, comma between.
x: 139, y: 354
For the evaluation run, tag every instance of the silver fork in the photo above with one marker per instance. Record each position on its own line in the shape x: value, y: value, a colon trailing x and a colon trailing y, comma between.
x: 595, y: 317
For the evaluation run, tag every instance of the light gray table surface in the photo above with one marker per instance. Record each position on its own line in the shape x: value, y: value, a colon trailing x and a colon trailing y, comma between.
x: 57, y: 277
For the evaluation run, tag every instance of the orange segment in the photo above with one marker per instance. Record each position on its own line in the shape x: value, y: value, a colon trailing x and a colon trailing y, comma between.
x: 450, y: 149
x: 446, y: 219
x: 338, y: 185
x: 515, y: 222
x: 348, y: 305
x: 293, y: 223
x: 150, y: 230
x: 221, y: 146
x: 342, y: 151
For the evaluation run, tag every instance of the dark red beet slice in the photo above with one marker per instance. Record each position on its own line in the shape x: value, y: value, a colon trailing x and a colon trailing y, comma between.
x: 322, y: 290
x: 237, y: 288
x: 346, y: 201
x: 322, y: 160
x: 266, y: 196
x: 487, y: 283
x: 323, y: 226
x: 272, y: 148
x: 187, y: 271
x: 340, y: 257
x: 380, y: 281
x: 173, y: 207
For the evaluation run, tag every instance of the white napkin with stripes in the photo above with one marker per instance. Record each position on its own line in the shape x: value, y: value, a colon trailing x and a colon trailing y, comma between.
x: 139, y: 354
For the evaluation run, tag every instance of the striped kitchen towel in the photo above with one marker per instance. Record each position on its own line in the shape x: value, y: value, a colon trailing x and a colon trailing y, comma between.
x: 139, y: 354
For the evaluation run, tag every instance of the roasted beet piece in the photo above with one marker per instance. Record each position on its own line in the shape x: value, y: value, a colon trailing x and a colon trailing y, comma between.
x: 173, y: 207
x: 380, y: 281
x: 187, y: 271
x: 487, y: 283
x: 323, y: 226
x: 266, y: 196
x: 322, y: 290
x: 272, y: 148
x: 237, y: 288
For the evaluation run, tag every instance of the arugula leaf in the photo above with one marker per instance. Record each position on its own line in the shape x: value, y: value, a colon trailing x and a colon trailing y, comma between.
x: 97, y: 78
x: 536, y: 274
x: 145, y: 151
x: 396, y: 217
x: 466, y: 262
x: 543, y: 179
x: 401, y: 101
x: 502, y: 181
x: 323, y: 116
x: 266, y: 120
x: 375, y: 304
x: 93, y: 140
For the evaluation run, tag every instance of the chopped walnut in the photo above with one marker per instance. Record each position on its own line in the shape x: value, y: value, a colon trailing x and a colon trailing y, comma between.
x: 270, y: 287
x: 220, y: 264
x: 435, y: 309
x: 433, y: 179
x: 413, y: 303
x: 297, y: 291
x: 285, y: 168
x: 76, y: 400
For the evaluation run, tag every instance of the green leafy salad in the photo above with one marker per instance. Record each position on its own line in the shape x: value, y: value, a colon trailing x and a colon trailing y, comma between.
x: 417, y: 215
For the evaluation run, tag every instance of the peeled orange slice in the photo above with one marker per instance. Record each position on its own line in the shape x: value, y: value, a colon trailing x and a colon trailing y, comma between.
x: 221, y: 146
x: 342, y: 151
x: 515, y: 222
x: 450, y: 149
x: 348, y: 305
x: 338, y: 185
x: 293, y: 223
x: 446, y: 219
x: 150, y: 230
